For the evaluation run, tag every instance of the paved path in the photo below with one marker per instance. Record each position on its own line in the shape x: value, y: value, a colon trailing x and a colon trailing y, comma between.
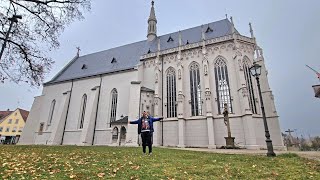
x: 315, y: 155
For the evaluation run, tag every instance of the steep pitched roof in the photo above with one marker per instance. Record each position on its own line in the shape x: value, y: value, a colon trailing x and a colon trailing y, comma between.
x: 4, y: 114
x: 128, y: 56
x: 24, y: 114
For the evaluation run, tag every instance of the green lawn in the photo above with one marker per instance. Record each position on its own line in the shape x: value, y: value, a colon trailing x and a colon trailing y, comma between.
x: 65, y: 162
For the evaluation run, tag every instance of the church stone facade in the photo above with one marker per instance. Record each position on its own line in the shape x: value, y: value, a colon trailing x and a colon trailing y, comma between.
x: 186, y: 77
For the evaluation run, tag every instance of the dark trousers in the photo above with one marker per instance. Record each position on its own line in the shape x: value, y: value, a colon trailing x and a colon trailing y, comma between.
x: 146, y: 141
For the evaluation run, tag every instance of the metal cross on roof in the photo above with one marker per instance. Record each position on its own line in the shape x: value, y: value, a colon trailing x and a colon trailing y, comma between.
x: 78, y: 52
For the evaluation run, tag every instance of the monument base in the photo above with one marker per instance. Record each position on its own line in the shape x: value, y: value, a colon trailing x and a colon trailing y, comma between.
x: 230, y: 142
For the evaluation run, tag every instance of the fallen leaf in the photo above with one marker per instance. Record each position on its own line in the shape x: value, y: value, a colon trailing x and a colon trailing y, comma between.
x: 101, y: 175
x: 72, y: 176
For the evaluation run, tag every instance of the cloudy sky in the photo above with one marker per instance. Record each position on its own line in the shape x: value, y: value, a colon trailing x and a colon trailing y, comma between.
x: 287, y: 30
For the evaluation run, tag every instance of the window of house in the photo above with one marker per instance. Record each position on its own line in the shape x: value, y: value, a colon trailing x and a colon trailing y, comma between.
x: 248, y: 78
x: 114, y: 102
x: 82, y: 111
x: 195, y: 90
x: 222, y: 85
x: 17, y: 121
x: 7, y: 129
x: 10, y: 121
x: 20, y: 129
x: 14, y: 129
x: 53, y: 103
x: 171, y: 93
x: 1, y: 128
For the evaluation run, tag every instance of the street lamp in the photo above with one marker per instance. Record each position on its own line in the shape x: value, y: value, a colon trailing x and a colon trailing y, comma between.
x: 256, y: 72
x: 13, y: 19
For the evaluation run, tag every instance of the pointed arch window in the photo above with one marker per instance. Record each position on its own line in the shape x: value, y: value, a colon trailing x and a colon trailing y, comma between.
x: 82, y: 111
x: 222, y: 84
x: 53, y: 103
x: 248, y: 78
x: 171, y: 93
x: 195, y: 90
x: 114, y: 101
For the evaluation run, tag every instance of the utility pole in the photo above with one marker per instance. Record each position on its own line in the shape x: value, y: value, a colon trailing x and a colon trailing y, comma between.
x: 13, y: 19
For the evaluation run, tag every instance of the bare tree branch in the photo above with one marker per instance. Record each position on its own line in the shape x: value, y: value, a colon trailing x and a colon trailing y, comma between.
x: 25, y: 59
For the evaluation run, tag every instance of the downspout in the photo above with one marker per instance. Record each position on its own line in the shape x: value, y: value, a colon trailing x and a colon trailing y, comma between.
x: 65, y: 122
x: 162, y: 100
x: 139, y: 112
x: 95, y: 120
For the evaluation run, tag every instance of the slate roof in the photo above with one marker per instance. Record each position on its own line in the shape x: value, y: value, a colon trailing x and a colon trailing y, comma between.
x: 124, y: 120
x: 146, y: 89
x: 128, y: 56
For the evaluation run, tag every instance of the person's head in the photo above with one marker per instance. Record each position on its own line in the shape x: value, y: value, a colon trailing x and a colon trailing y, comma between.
x: 144, y: 114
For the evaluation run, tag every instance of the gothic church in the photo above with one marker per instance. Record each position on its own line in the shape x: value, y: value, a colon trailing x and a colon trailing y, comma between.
x: 185, y: 77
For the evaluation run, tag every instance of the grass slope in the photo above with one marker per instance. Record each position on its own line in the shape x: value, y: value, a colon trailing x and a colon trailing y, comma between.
x: 65, y: 162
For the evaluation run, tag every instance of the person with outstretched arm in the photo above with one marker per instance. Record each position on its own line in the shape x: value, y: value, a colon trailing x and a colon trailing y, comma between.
x: 145, y: 128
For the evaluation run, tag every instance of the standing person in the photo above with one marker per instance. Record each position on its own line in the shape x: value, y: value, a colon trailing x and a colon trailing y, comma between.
x: 145, y: 128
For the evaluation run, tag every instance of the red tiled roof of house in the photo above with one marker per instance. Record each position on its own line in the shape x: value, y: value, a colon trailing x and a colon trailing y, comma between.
x: 4, y: 114
x: 24, y: 114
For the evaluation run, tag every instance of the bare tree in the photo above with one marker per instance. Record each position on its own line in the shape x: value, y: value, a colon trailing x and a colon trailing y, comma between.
x: 24, y: 58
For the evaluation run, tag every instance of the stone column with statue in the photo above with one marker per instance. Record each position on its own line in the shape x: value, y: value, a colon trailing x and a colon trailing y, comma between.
x: 229, y: 139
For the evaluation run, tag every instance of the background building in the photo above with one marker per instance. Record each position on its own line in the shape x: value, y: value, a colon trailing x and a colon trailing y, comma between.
x: 12, y: 124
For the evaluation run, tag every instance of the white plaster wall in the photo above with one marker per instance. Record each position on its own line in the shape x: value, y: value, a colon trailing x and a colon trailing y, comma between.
x: 72, y: 137
x: 170, y: 135
x: 148, y: 74
x: 28, y: 134
x: 120, y: 81
x: 275, y: 133
x: 196, y: 133
x: 50, y: 93
x: 80, y: 87
x: 42, y: 139
x: 102, y: 137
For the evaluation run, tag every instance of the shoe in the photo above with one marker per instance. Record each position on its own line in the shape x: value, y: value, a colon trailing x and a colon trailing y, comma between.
x: 150, y: 154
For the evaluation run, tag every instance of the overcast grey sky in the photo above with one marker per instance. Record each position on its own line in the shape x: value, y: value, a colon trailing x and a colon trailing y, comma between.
x: 287, y: 30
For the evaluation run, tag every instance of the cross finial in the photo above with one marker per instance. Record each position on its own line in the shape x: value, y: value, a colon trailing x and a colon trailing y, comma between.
x: 78, y: 50
x: 226, y: 16
x: 152, y: 3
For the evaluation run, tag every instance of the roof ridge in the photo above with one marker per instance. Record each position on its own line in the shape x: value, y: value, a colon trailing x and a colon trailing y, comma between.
x: 154, y: 39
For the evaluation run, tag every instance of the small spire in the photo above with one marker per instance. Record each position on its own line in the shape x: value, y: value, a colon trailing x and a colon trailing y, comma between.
x: 251, y: 31
x: 78, y: 50
x: 233, y: 28
x: 152, y: 24
x: 152, y: 12
x: 180, y: 39
x: 226, y: 16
